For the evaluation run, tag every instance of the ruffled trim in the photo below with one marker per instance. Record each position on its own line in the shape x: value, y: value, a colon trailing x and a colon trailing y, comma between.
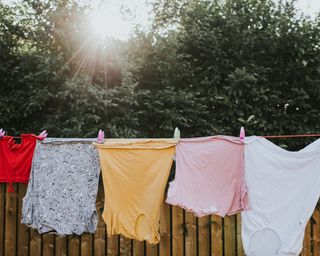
x: 243, y: 204
x: 196, y: 212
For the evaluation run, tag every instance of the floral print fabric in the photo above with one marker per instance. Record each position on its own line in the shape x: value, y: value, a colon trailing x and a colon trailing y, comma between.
x: 62, y: 188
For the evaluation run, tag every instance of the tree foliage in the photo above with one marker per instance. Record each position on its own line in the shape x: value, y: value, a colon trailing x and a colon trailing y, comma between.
x: 205, y: 66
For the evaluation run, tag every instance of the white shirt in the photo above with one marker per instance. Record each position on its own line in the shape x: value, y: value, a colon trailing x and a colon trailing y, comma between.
x: 283, y: 190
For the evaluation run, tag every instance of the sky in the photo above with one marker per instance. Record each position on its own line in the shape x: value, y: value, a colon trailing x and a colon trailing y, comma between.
x: 310, y: 7
x: 137, y: 12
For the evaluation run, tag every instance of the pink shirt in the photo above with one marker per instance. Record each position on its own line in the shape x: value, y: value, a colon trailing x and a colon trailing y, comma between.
x: 209, y: 176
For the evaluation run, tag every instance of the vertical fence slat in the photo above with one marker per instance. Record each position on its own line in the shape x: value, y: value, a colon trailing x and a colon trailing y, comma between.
x: 86, y: 244
x: 113, y: 243
x: 191, y: 236
x: 48, y: 244
x: 11, y: 224
x: 152, y: 250
x: 35, y: 243
x: 165, y: 230
x: 316, y: 232
x: 61, y: 246
x: 138, y: 248
x: 240, y: 251
x: 125, y: 246
x: 307, y: 241
x: 100, y: 234
x: 203, y: 236
x: 177, y: 231
x: 73, y: 245
x: 2, y: 217
x: 230, y: 235
x: 216, y: 235
x: 23, y: 230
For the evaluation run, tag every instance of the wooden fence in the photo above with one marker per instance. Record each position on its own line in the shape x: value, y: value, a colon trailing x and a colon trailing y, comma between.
x: 181, y: 234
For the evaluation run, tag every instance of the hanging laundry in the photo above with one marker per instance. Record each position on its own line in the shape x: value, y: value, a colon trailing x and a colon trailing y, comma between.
x: 15, y: 159
x: 135, y: 173
x: 63, y: 186
x: 283, y: 189
x: 209, y: 176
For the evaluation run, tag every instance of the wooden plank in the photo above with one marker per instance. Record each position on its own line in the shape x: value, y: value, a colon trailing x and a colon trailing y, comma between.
x: 240, y: 251
x: 230, y: 246
x: 61, y: 247
x: 306, y: 251
x: 177, y: 231
x: 23, y: 230
x: 100, y: 234
x: 73, y: 245
x: 216, y: 236
x: 152, y: 249
x: 191, y: 236
x: 35, y: 243
x: 203, y: 235
x: 165, y: 231
x: 138, y: 248
x: 86, y: 244
x: 113, y: 244
x: 2, y: 217
x: 11, y: 222
x: 12, y: 232
x: 125, y: 246
x: 48, y: 244
x: 316, y: 232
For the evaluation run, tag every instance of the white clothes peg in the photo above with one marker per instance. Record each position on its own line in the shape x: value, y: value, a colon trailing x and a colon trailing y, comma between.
x: 176, y: 135
x: 2, y: 133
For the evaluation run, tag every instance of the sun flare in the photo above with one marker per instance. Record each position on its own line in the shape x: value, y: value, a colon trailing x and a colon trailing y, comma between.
x: 109, y: 22
x: 116, y: 18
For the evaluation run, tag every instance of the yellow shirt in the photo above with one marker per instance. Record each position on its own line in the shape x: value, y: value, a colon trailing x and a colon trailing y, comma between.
x: 135, y: 173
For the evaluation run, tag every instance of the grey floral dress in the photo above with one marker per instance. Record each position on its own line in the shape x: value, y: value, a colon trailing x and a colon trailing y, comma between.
x: 62, y: 188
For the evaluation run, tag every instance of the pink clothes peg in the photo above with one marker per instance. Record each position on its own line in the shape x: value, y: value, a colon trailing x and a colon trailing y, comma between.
x: 2, y: 133
x: 100, y: 136
x: 242, y: 134
x: 42, y: 135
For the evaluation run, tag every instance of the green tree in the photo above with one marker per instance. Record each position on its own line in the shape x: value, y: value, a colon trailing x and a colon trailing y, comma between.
x: 207, y: 67
x: 253, y: 63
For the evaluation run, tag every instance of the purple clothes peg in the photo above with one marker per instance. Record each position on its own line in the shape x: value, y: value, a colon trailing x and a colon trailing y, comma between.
x: 242, y: 134
x: 100, y: 136
x: 2, y: 133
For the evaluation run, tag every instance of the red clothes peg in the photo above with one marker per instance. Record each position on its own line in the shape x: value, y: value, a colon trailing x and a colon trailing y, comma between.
x: 100, y: 136
x: 242, y: 134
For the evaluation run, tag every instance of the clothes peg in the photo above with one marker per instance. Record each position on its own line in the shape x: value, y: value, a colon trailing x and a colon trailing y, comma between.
x: 176, y: 134
x: 2, y: 133
x: 42, y: 135
x: 242, y: 134
x: 100, y: 136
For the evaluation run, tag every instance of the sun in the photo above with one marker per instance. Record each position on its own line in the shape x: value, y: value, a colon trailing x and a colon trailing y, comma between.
x: 109, y: 22
x: 117, y: 18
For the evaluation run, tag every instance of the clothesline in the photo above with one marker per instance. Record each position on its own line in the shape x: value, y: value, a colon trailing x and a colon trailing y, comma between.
x: 291, y: 136
x: 264, y: 136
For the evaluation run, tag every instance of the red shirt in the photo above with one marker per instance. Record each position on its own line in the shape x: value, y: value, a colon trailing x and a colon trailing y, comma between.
x: 16, y: 159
